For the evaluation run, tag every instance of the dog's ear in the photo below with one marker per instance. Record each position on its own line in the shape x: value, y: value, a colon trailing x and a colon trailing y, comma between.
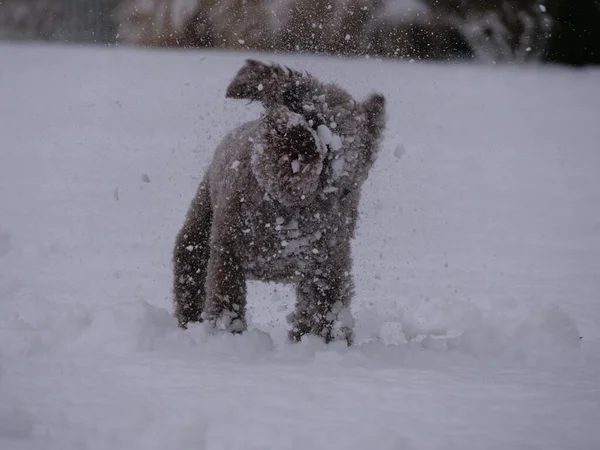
x: 374, y: 107
x: 268, y: 83
x: 250, y: 81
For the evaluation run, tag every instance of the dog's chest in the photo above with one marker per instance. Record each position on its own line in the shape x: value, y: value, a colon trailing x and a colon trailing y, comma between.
x: 283, y: 244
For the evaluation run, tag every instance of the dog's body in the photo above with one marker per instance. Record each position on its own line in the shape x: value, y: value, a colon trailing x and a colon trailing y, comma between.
x: 279, y: 203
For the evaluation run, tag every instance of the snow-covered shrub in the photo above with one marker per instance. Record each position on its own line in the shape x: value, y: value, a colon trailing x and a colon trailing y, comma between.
x: 322, y: 26
x: 341, y: 27
x: 501, y: 30
x: 58, y: 20
x: 194, y: 23
x: 158, y: 22
x: 27, y: 20
x: 418, y: 38
x: 490, y: 30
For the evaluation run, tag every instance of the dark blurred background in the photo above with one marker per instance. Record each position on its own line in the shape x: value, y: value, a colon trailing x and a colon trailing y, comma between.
x: 496, y: 31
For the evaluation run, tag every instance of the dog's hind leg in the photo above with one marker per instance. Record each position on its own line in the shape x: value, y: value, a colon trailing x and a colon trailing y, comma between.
x: 190, y: 259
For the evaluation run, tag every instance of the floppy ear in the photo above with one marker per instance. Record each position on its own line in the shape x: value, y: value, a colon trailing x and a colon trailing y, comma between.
x: 250, y: 81
x: 374, y: 107
x: 268, y: 83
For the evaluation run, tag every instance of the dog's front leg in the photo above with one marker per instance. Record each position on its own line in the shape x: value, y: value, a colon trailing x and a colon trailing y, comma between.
x: 225, y: 307
x: 323, y: 306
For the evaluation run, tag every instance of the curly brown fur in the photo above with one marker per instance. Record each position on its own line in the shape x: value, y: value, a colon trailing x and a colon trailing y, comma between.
x: 279, y: 202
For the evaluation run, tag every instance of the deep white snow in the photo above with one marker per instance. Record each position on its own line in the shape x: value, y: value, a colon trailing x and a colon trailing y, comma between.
x: 477, y: 263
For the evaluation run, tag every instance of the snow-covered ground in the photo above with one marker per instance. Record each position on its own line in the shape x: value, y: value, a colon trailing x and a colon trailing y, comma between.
x: 477, y: 263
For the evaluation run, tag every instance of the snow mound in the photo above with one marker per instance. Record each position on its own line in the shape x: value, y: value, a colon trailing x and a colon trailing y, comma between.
x: 16, y: 422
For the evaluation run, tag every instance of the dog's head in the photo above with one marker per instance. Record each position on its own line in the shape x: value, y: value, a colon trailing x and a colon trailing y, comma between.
x: 350, y: 131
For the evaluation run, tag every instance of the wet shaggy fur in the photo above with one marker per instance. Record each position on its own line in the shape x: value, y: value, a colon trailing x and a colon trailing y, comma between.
x: 279, y: 202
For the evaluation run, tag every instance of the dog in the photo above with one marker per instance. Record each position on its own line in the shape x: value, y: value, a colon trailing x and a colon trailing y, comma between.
x: 279, y: 203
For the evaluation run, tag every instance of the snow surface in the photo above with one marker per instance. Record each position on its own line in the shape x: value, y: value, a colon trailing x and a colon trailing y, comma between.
x: 477, y: 261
